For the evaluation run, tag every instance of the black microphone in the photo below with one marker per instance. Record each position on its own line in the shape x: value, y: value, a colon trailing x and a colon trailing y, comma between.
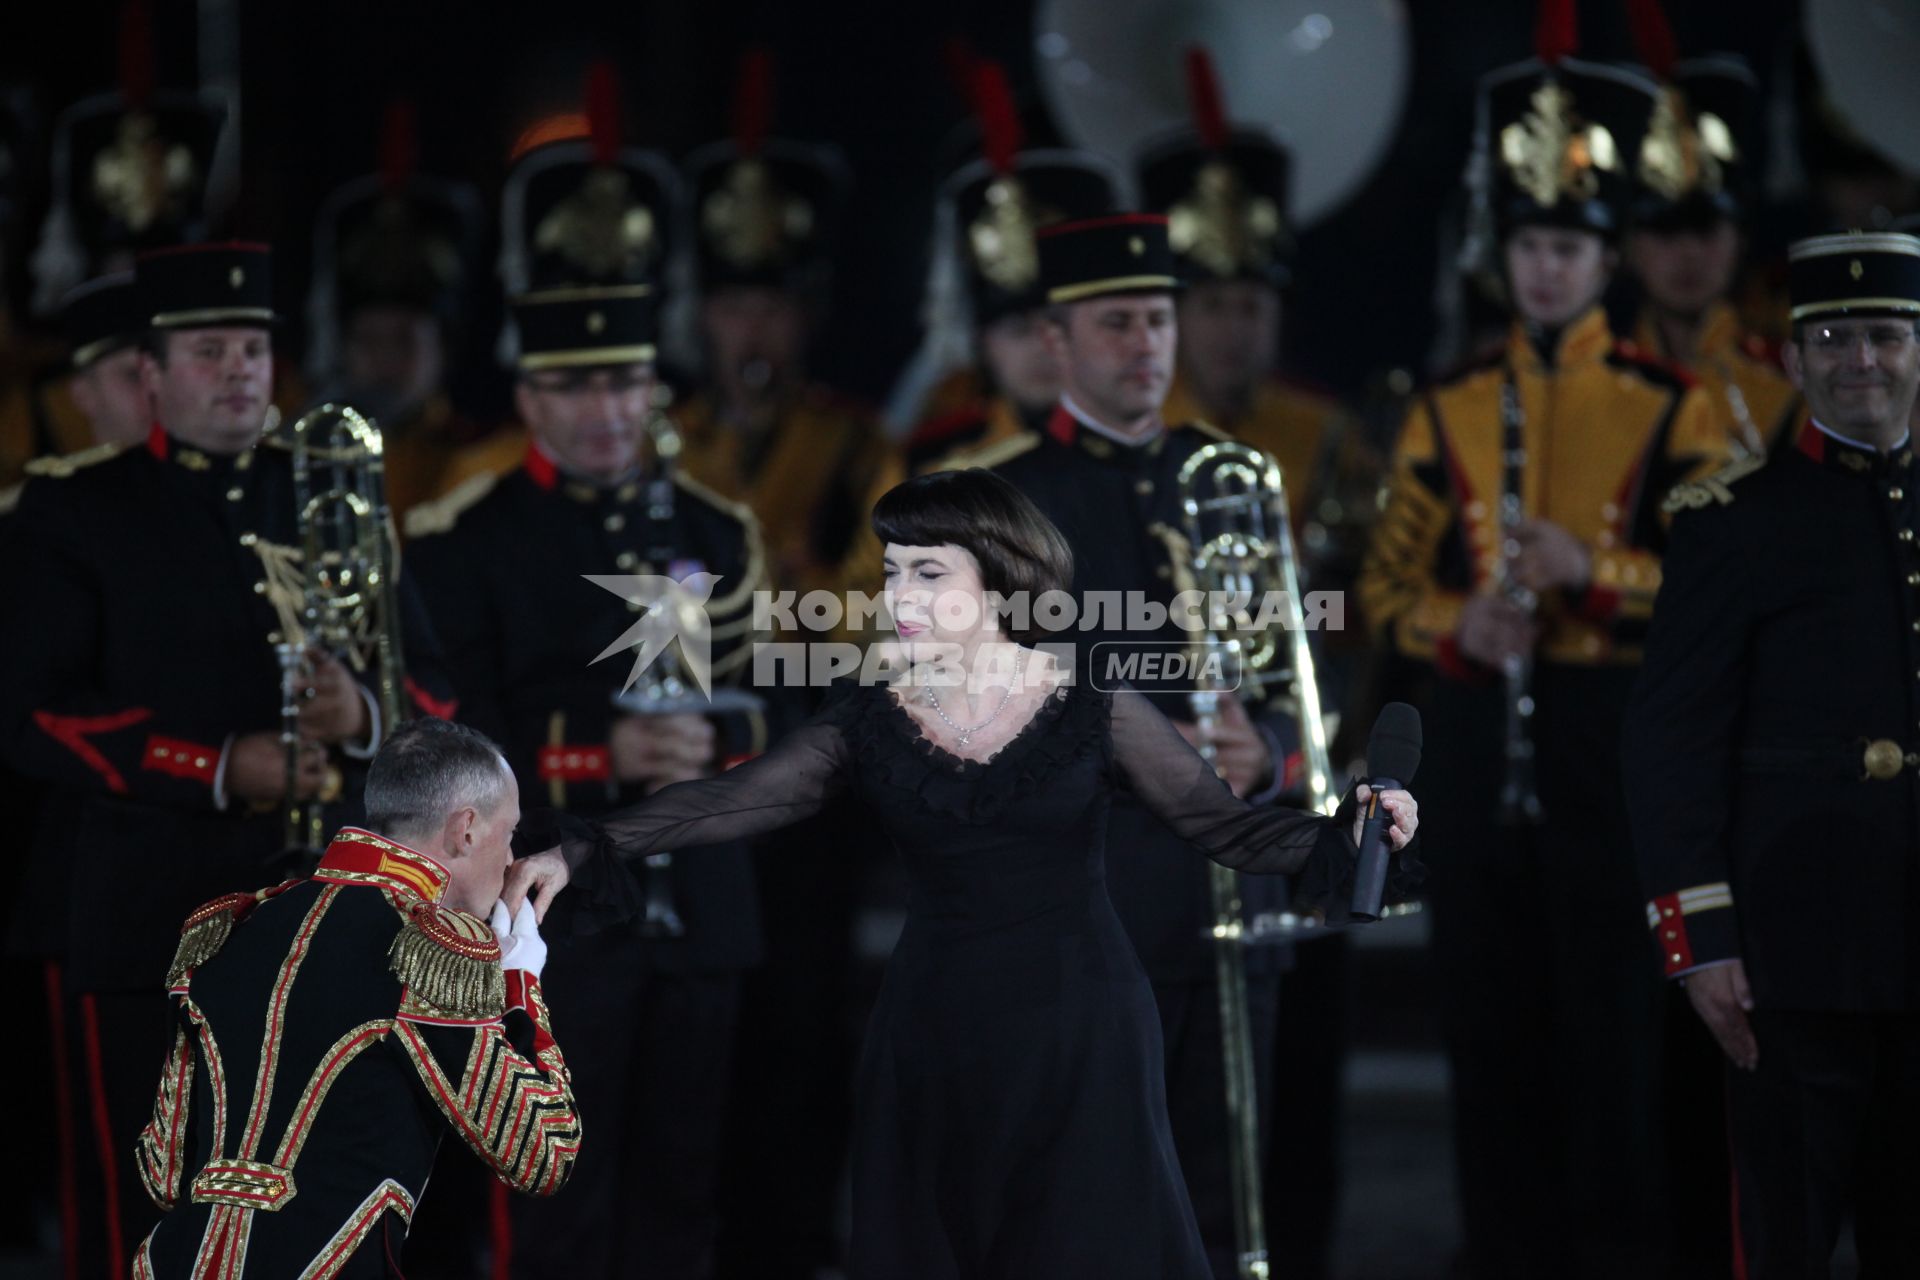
x: 1393, y: 754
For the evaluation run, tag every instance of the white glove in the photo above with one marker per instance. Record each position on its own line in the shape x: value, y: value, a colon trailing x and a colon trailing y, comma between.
x: 521, y: 946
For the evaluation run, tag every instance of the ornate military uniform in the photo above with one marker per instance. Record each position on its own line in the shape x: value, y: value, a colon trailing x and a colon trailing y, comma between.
x: 649, y: 966
x: 985, y: 268
x: 326, y: 1033
x: 403, y: 242
x: 1551, y: 1015
x: 1696, y: 172
x: 765, y: 212
x: 1774, y: 784
x: 156, y: 572
x: 130, y: 172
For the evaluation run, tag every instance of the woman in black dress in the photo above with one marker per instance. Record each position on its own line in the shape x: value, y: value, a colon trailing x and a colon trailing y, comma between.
x: 1012, y: 1118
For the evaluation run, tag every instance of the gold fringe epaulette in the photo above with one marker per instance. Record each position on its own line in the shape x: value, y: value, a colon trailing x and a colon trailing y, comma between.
x: 442, y: 513
x: 10, y: 498
x: 1716, y: 488
x: 60, y: 466
x: 451, y: 961
x: 206, y: 931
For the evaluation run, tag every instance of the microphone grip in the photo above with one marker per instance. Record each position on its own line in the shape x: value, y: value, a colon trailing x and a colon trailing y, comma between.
x: 1370, y: 874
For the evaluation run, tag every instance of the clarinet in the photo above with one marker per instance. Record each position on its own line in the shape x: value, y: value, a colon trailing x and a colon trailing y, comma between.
x: 1519, y: 799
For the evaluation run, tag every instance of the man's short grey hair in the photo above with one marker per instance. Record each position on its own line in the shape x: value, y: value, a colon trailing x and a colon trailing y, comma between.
x: 427, y: 770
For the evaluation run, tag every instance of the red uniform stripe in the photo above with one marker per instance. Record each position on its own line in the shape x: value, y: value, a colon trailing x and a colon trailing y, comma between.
x: 102, y: 1131
x: 63, y: 1122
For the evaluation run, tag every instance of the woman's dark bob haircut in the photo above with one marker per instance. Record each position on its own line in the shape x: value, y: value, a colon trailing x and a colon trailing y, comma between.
x: 1018, y: 549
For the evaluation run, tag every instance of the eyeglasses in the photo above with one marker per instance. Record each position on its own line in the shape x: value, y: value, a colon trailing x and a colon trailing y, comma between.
x: 1886, y: 338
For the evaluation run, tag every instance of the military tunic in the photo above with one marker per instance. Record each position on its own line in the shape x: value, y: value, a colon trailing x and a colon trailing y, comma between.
x: 1775, y: 791
x: 150, y: 572
x: 326, y: 1033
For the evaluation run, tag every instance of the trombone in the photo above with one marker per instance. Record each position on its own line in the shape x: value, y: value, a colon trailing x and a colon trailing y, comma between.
x: 337, y: 593
x: 1236, y: 544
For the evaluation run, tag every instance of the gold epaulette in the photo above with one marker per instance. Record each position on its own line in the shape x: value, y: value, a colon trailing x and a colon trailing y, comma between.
x: 442, y: 513
x: 1716, y: 488
x: 10, y: 498
x: 987, y: 455
x: 1207, y: 429
x: 206, y: 931
x: 60, y: 466
x: 451, y: 961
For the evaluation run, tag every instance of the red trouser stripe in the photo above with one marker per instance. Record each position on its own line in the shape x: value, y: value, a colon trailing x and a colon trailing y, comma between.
x: 497, y: 1210
x: 103, y: 1132
x: 63, y: 1123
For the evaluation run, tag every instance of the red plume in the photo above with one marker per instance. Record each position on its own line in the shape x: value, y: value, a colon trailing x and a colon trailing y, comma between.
x: 1204, y: 98
x: 1556, y: 31
x: 399, y: 144
x: 1000, y: 134
x: 1652, y: 36
x: 603, y: 111
x: 136, y: 52
x: 753, y: 99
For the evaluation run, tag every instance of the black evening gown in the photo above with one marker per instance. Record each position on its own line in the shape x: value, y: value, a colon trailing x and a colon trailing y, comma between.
x: 1012, y: 1117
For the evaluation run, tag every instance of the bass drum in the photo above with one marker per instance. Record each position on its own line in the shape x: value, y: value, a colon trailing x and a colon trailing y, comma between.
x: 1868, y: 56
x: 1328, y: 77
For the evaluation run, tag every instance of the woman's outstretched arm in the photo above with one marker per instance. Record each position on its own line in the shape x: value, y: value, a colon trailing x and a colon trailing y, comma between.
x: 790, y: 782
x: 1181, y: 788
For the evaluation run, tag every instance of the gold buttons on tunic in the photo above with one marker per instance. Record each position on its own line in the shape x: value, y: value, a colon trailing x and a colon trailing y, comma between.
x: 1883, y: 759
x: 616, y: 522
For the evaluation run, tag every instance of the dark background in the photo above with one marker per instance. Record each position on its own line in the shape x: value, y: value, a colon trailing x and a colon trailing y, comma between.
x: 867, y: 75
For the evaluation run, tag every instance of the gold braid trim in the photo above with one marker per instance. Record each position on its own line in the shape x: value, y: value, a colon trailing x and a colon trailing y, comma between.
x: 60, y: 466
x: 205, y: 932
x: 1716, y: 488
x: 451, y: 961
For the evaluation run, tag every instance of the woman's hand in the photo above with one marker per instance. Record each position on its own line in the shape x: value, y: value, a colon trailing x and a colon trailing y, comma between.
x: 1401, y: 804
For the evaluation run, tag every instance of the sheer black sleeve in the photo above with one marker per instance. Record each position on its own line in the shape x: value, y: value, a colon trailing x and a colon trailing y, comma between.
x: 792, y: 781
x: 1184, y: 792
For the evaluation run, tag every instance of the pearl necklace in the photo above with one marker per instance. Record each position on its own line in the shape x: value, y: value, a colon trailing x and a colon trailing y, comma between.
x: 1019, y: 662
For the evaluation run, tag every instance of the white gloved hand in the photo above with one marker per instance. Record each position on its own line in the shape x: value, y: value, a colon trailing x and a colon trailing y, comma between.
x: 521, y: 946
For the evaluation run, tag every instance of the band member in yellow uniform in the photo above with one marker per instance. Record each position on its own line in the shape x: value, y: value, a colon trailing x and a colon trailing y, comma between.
x: 1693, y: 192
x: 995, y: 377
x: 758, y: 429
x: 1224, y: 190
x: 1519, y: 554
x: 394, y: 254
